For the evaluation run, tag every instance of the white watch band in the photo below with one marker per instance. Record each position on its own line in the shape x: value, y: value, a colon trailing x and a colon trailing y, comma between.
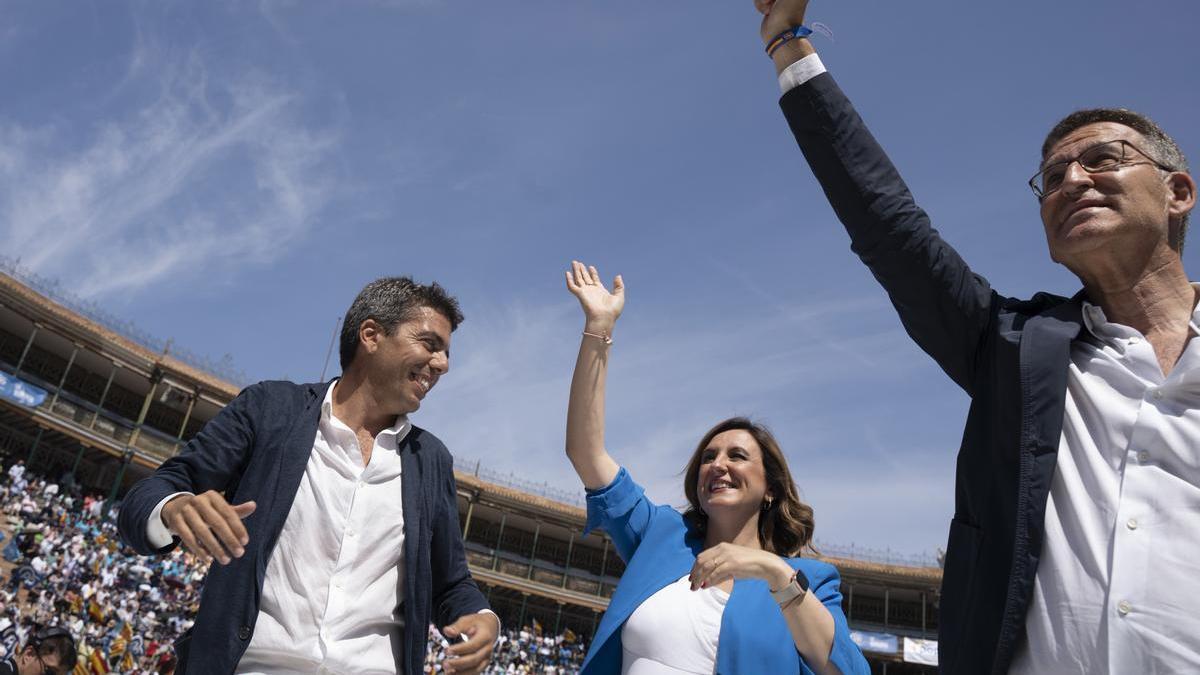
x: 798, y: 586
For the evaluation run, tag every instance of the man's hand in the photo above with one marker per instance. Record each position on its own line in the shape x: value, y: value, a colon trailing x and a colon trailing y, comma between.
x: 730, y: 561
x: 600, y: 308
x: 472, y: 656
x: 209, y: 527
x: 780, y: 15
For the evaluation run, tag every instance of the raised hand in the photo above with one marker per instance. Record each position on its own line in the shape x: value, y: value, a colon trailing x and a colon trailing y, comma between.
x: 600, y: 307
x: 780, y: 15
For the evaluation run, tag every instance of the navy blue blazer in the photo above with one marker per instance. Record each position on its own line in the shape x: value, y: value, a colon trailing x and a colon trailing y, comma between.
x: 1010, y: 356
x: 256, y: 449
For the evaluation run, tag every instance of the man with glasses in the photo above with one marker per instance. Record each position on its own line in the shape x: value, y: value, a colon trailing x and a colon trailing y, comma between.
x: 48, y: 652
x: 1073, y: 547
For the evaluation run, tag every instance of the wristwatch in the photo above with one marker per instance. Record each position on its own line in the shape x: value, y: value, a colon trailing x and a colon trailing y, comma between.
x: 798, y: 586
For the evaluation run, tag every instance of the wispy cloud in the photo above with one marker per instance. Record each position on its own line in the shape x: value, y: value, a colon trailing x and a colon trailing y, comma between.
x: 204, y: 175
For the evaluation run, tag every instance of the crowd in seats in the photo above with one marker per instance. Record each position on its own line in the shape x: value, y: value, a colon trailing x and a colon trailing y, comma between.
x: 520, y: 652
x: 66, y: 567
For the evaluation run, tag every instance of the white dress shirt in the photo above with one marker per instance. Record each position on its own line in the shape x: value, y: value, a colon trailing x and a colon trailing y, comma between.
x: 1118, y: 586
x: 334, y: 583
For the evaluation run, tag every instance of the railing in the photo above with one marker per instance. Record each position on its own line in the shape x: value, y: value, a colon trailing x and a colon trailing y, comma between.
x: 89, y: 417
x: 52, y: 288
x: 884, y: 556
x: 475, y: 468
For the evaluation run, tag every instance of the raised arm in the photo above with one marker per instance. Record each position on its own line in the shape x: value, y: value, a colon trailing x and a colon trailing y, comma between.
x: 778, y: 16
x: 944, y: 306
x: 585, y: 410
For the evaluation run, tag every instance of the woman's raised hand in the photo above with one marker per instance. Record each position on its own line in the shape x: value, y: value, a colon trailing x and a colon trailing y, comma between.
x: 600, y: 307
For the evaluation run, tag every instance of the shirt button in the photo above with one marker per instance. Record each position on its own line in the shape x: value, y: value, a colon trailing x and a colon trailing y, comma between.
x: 1134, y: 340
x: 1143, y: 456
x: 1131, y: 523
x: 1158, y: 394
x: 243, y: 633
x: 1124, y: 607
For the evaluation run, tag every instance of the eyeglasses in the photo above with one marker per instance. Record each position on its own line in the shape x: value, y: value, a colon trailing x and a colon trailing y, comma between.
x: 1107, y: 156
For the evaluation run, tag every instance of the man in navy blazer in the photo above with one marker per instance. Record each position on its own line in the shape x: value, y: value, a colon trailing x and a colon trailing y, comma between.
x: 1073, y: 543
x: 331, y: 520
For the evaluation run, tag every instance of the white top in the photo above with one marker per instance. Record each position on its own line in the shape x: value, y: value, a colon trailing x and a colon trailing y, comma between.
x: 674, y: 631
x: 1118, y: 586
x: 333, y: 586
x: 334, y: 582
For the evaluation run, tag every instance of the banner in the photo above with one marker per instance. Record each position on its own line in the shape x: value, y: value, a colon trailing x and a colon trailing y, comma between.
x: 20, y: 391
x: 921, y: 651
x: 883, y: 643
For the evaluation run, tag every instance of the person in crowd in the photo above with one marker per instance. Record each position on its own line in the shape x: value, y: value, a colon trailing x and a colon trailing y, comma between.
x: 1072, y: 548
x: 721, y: 588
x: 50, y: 651
x: 92, y: 586
x: 350, y: 542
x: 524, y: 651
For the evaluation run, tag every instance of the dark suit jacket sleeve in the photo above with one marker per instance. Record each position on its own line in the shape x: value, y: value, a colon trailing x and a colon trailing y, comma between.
x: 212, y: 460
x: 454, y: 591
x: 944, y: 306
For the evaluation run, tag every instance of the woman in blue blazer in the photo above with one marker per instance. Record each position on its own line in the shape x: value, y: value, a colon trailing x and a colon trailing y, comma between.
x: 720, y: 588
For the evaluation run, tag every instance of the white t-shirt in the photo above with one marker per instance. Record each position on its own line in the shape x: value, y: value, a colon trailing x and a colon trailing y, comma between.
x: 674, y: 631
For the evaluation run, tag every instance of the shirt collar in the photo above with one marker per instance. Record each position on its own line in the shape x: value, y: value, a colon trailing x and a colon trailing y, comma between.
x: 1098, y: 325
x: 399, y: 428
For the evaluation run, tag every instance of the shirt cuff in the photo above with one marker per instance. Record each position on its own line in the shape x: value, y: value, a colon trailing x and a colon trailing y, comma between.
x: 499, y: 623
x: 157, y: 532
x: 800, y: 72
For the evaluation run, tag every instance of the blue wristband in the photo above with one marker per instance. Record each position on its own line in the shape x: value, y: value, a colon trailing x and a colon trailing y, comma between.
x: 787, y: 36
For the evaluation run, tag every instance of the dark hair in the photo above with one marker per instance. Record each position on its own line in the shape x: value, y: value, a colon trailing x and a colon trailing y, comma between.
x: 1162, y: 148
x: 54, y: 640
x: 392, y: 301
x: 786, y: 526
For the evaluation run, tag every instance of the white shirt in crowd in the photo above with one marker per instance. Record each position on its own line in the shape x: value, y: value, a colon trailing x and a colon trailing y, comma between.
x: 334, y: 583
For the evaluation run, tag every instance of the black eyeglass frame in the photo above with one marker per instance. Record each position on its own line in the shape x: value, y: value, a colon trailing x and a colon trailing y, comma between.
x: 1120, y: 164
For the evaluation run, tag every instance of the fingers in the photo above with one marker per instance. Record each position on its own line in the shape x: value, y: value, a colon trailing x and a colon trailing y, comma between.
x: 209, y: 527
x: 618, y: 285
x: 472, y: 655
x: 581, y: 276
x: 244, y: 509
x: 703, y: 567
x: 470, y: 664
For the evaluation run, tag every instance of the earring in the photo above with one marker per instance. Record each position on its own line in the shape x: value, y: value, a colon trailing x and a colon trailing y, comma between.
x: 766, y: 506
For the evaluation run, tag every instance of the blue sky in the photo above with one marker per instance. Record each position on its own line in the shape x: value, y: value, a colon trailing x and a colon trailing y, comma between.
x: 229, y: 174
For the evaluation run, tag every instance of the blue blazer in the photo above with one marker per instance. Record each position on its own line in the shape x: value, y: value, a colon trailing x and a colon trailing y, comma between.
x: 256, y: 448
x: 659, y: 548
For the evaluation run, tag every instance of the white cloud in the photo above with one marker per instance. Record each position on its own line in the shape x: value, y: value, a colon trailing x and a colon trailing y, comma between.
x: 207, y: 175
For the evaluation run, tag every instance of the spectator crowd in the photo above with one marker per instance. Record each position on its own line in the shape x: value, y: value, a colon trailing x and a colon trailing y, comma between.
x: 63, y: 565
x: 520, y: 652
